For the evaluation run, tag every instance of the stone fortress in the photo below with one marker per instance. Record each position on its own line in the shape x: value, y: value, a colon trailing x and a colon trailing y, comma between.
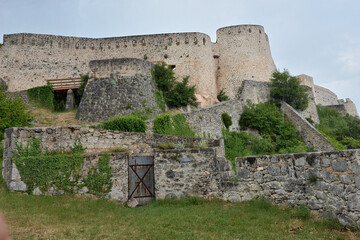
x: 240, y: 53
x: 240, y: 62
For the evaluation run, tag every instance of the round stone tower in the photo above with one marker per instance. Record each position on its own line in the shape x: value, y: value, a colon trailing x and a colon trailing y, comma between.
x: 244, y: 54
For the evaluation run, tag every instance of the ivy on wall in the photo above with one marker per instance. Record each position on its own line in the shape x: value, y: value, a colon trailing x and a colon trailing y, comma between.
x: 43, y: 95
x: 60, y: 170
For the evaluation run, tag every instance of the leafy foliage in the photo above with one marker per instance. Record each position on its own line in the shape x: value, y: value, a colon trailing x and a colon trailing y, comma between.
x: 181, y: 94
x: 285, y: 87
x: 226, y: 119
x: 43, y: 95
x: 145, y: 114
x: 173, y: 125
x: 342, y: 131
x: 49, y: 169
x: 99, y: 180
x: 159, y: 98
x: 1, y: 44
x: 13, y: 113
x: 176, y: 94
x: 222, y: 96
x: 125, y: 124
x: 276, y: 134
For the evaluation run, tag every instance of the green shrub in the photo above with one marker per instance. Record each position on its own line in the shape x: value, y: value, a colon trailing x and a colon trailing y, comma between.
x: 277, y: 135
x: 181, y: 94
x: 173, y: 125
x: 342, y: 131
x: 13, y: 113
x: 145, y: 114
x: 285, y: 87
x: 222, y: 96
x: 159, y: 98
x: 162, y: 124
x: 125, y: 124
x: 176, y: 94
x: 44, y: 96
x: 226, y: 119
x: 310, y: 120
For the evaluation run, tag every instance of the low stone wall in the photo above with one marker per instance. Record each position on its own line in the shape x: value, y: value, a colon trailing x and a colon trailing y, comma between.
x: 94, y: 140
x: 179, y: 173
x: 310, y: 136
x: 328, y: 182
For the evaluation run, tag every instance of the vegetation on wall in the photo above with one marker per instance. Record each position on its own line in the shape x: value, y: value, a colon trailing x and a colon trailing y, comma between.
x: 276, y: 135
x: 285, y: 87
x: 222, y: 96
x: 226, y: 119
x: 13, y: 113
x: 173, y: 125
x: 125, y: 124
x: 43, y: 96
x: 1, y: 44
x: 99, y: 180
x: 342, y: 131
x: 59, y: 170
x: 176, y: 94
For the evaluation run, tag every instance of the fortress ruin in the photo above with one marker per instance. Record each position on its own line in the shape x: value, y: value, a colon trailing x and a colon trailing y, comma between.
x: 241, y: 52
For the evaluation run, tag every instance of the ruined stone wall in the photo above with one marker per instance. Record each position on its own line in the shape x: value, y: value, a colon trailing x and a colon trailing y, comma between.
x: 349, y: 107
x: 244, y: 54
x: 324, y: 96
x: 327, y: 182
x: 26, y: 60
x: 308, y: 133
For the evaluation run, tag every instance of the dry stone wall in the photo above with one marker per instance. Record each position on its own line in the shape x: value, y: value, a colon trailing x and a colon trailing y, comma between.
x: 326, y: 182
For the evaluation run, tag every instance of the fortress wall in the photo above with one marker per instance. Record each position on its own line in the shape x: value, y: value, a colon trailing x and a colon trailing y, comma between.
x: 349, y: 106
x: 27, y: 59
x: 244, y: 53
x: 324, y: 96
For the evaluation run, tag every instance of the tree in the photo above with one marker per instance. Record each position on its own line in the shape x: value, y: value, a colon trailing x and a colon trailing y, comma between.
x: 285, y: 87
x: 13, y: 113
x: 176, y: 94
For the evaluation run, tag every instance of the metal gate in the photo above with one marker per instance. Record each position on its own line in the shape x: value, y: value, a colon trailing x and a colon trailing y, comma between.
x: 141, y: 179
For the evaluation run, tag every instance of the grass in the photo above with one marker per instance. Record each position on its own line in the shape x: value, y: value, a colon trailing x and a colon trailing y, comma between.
x: 48, y: 118
x: 72, y: 217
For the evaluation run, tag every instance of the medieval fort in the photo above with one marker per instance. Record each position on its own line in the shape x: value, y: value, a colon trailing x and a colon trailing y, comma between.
x: 239, y: 62
x: 240, y: 53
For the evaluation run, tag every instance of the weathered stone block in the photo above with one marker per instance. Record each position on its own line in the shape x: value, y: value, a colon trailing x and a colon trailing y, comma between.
x: 273, y: 170
x: 353, y: 202
x: 339, y: 166
x: 243, y: 173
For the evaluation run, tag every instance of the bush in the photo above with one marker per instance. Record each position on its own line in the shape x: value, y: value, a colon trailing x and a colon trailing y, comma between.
x: 13, y: 113
x: 181, y: 94
x: 226, y: 119
x: 342, y: 131
x: 176, y: 94
x: 173, y: 125
x: 222, y: 96
x: 44, y: 96
x: 285, y: 87
x: 125, y: 124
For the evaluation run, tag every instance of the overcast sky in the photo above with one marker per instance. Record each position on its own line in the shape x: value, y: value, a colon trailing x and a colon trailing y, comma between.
x: 320, y: 38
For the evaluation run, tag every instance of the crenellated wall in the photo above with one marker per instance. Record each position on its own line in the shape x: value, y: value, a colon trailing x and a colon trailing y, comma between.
x: 241, y: 52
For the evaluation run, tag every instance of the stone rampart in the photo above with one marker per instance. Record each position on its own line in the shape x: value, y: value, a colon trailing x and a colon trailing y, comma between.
x: 349, y: 107
x: 326, y: 182
x: 324, y: 96
x: 308, y: 133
